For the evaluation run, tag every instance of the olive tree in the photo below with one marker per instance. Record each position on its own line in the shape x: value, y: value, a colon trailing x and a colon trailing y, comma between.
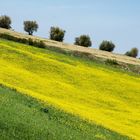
x: 132, y: 53
x: 107, y: 46
x: 5, y: 22
x: 30, y: 27
x: 57, y: 34
x: 83, y: 40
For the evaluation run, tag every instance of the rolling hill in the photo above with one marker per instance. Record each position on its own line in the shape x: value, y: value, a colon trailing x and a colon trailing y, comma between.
x: 92, y: 100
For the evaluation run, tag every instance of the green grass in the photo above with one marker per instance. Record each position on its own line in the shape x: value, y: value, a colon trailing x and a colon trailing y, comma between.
x: 93, y: 92
x: 22, y: 117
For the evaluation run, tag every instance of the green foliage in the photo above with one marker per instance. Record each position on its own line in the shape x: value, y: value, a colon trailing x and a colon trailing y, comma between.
x: 39, y: 44
x: 30, y: 27
x: 128, y: 53
x: 13, y: 38
x: 30, y: 41
x: 57, y: 34
x: 132, y: 53
x: 83, y: 40
x: 107, y: 46
x: 111, y: 62
x: 5, y: 22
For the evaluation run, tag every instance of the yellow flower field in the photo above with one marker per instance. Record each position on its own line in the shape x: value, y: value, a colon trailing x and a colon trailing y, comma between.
x: 100, y: 94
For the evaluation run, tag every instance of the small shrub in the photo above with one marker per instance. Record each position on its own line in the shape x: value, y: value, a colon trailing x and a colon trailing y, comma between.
x: 30, y: 42
x: 23, y: 40
x: 5, y: 22
x: 132, y: 53
x: 57, y: 34
x: 107, y: 46
x: 111, y: 62
x: 128, y: 53
x: 8, y: 37
x: 39, y: 44
x: 83, y: 40
x: 36, y: 43
x: 30, y: 27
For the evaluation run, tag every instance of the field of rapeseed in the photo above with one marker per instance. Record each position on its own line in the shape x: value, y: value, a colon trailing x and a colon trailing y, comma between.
x: 93, y: 92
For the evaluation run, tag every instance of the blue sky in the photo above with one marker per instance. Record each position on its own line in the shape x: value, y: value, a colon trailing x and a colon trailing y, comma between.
x: 115, y: 20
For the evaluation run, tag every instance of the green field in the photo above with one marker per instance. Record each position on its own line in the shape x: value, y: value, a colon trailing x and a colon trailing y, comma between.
x: 22, y: 117
x: 96, y: 101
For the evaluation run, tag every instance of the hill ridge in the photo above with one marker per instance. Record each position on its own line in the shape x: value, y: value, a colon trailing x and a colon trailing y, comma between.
x: 91, y: 53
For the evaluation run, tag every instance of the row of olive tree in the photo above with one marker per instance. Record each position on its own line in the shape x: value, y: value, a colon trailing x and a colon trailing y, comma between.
x: 58, y: 34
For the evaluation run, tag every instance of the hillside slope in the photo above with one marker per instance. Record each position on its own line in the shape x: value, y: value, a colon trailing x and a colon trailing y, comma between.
x: 23, y: 117
x: 94, y: 92
x: 95, y: 53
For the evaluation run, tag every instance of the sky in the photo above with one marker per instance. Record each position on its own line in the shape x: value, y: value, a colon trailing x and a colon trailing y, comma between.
x: 114, y: 20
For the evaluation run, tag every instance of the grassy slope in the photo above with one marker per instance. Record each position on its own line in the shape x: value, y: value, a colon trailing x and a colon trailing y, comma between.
x: 96, y: 93
x: 22, y: 117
